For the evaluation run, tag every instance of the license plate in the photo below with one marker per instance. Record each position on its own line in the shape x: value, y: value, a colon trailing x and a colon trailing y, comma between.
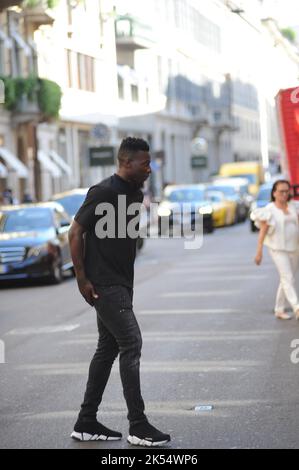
x: 3, y: 269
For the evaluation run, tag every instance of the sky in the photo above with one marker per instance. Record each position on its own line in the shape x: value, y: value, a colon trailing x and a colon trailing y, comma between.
x: 285, y: 11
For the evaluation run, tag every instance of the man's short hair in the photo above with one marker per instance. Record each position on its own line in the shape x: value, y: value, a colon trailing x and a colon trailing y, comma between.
x: 129, y: 148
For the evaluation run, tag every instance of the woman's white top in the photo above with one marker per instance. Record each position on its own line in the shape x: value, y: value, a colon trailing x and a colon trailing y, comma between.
x: 283, y: 231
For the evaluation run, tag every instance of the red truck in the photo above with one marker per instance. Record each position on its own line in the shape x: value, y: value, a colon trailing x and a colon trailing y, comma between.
x: 288, y: 115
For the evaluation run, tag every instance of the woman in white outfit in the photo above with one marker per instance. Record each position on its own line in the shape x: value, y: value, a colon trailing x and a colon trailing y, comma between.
x: 279, y: 231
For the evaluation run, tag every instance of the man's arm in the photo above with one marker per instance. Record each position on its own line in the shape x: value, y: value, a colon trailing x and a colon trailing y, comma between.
x: 76, y: 242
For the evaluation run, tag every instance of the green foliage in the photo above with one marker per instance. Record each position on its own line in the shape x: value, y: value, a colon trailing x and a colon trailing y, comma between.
x: 289, y: 33
x: 10, y: 93
x: 49, y: 98
x: 47, y: 93
x: 34, y: 3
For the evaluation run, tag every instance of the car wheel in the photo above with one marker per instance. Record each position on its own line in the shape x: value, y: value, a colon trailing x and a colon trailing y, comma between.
x: 57, y: 274
x: 210, y: 227
x: 140, y: 243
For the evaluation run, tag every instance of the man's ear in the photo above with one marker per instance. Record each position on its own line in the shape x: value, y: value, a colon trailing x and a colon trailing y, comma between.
x: 127, y: 163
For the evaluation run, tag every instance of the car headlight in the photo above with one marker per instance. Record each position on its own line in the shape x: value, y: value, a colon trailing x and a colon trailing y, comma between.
x: 36, y: 251
x: 164, y: 212
x: 206, y: 210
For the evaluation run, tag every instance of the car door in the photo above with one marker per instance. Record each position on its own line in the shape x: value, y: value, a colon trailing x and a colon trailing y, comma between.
x: 62, y: 224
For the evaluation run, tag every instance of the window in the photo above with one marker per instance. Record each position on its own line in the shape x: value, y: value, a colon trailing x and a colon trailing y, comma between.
x: 69, y: 68
x: 86, y: 72
x: 121, y: 93
x: 89, y: 63
x: 2, y: 57
x: 80, y: 71
x: 134, y: 93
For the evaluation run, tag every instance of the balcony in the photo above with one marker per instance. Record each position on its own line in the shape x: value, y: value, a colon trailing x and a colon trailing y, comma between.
x: 37, y: 16
x: 26, y: 110
x: 32, y: 99
x: 131, y: 34
x: 9, y: 3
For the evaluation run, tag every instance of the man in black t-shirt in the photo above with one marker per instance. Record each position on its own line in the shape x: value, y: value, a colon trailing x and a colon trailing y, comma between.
x: 103, y: 247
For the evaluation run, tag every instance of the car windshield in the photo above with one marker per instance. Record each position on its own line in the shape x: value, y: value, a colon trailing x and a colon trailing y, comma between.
x: 250, y: 177
x: 264, y: 194
x: 227, y: 190
x: 215, y: 197
x: 186, y: 195
x: 24, y: 220
x: 72, y: 203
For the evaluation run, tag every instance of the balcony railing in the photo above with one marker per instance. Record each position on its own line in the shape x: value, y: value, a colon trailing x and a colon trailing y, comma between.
x: 132, y: 34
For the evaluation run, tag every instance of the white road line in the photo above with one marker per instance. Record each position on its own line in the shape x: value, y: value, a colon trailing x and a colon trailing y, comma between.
x: 210, y: 269
x: 221, y: 408
x: 117, y: 408
x: 189, y: 311
x: 183, y: 338
x: 213, y: 293
x: 146, y: 366
x: 43, y: 330
x: 227, y: 278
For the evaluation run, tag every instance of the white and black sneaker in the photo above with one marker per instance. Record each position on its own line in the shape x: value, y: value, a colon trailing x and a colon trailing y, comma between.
x: 144, y: 434
x: 94, y: 431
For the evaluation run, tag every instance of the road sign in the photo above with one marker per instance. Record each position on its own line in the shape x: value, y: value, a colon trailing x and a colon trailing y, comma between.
x: 101, y: 156
x: 199, y: 161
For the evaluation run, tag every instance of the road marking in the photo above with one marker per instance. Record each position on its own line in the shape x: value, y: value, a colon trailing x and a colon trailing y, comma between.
x: 201, y: 294
x: 117, y: 408
x: 43, y: 330
x: 228, y: 278
x: 175, y: 338
x: 189, y: 311
x: 146, y: 366
x: 210, y: 269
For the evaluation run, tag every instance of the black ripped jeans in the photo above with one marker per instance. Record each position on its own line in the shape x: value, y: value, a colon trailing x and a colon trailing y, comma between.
x: 119, y: 333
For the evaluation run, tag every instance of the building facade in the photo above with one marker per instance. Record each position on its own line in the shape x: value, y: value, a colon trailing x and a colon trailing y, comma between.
x: 169, y: 71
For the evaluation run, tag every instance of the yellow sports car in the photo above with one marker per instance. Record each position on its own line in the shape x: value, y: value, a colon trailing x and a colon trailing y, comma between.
x: 224, y: 211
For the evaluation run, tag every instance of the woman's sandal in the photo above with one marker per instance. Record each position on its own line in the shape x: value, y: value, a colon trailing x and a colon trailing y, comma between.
x: 285, y: 316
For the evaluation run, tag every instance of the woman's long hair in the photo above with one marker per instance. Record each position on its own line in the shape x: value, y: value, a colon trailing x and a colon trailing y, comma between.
x: 275, y: 187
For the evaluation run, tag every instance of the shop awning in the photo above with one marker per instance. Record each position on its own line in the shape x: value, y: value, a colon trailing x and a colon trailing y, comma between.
x: 60, y: 162
x: 3, y: 171
x: 12, y: 161
x: 48, y: 164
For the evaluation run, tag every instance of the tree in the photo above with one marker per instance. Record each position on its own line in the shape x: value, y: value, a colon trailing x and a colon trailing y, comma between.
x: 289, y: 33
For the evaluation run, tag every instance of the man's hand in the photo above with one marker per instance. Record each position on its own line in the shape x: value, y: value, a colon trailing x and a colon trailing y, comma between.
x: 87, y: 291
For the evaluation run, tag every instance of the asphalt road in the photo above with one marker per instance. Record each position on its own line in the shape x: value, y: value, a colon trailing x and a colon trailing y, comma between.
x: 210, y: 338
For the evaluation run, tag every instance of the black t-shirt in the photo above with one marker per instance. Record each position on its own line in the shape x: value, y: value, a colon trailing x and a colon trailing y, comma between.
x: 110, y: 260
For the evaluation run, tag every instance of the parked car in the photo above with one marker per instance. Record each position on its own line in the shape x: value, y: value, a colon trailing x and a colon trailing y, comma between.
x: 73, y: 199
x: 34, y: 242
x: 224, y: 211
x: 240, y: 184
x: 263, y: 198
x: 174, y: 205
x: 232, y: 194
x: 251, y: 170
